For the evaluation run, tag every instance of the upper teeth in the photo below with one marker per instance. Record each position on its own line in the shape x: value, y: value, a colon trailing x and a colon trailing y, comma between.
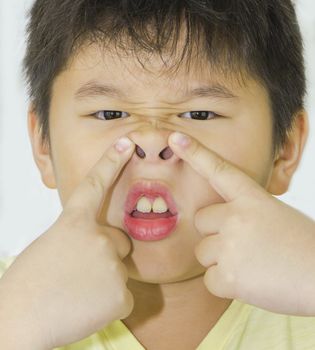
x: 159, y: 205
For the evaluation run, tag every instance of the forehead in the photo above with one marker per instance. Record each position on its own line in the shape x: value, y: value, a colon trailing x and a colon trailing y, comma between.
x: 94, y: 68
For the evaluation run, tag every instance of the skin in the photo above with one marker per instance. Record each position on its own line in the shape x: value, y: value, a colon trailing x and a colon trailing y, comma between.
x: 255, y: 246
x: 69, y: 284
x: 158, y: 271
x: 153, y: 118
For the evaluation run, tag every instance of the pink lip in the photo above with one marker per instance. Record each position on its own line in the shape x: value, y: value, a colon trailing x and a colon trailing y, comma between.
x: 149, y: 229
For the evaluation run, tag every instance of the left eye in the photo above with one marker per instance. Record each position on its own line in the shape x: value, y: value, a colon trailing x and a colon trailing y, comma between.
x: 108, y: 115
x: 199, y: 115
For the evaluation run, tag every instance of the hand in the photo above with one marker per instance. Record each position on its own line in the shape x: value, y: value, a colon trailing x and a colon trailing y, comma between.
x: 71, y: 282
x: 256, y: 248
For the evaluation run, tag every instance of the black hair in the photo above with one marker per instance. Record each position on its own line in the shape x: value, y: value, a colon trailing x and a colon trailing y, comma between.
x: 258, y: 37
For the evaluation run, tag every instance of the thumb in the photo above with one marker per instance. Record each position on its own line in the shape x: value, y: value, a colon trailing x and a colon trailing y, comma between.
x: 93, y: 190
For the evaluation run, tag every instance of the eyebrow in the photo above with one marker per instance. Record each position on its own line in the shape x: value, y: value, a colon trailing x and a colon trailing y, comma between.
x: 213, y: 90
x: 93, y: 89
x: 96, y: 89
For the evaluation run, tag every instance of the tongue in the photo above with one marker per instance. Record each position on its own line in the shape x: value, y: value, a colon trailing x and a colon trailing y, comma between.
x: 151, y: 215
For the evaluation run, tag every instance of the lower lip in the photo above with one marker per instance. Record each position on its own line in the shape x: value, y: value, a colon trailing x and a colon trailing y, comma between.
x: 149, y: 229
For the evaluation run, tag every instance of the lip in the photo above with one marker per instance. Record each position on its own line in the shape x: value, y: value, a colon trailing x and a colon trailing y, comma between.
x: 149, y: 229
x: 151, y: 190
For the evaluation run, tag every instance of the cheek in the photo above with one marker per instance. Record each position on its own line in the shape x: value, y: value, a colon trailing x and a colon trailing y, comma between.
x: 254, y: 148
x: 247, y: 145
x: 73, y: 157
x: 253, y: 161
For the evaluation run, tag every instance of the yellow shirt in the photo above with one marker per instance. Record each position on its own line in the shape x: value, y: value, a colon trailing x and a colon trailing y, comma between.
x: 241, y: 327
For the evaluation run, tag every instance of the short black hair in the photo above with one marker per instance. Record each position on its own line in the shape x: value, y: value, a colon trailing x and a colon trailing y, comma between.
x: 259, y: 37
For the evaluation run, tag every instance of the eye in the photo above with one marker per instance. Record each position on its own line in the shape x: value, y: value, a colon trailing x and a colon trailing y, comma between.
x: 108, y: 115
x: 200, y: 115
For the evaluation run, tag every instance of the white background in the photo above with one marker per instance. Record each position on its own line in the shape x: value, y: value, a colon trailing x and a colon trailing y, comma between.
x: 27, y: 207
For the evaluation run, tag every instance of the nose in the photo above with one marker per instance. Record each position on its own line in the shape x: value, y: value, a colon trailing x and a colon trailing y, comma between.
x: 151, y: 146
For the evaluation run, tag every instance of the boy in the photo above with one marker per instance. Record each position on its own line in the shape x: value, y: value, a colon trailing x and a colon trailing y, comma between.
x: 149, y: 267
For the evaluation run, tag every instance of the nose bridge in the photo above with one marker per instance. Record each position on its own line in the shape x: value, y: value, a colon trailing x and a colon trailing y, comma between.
x: 151, y: 143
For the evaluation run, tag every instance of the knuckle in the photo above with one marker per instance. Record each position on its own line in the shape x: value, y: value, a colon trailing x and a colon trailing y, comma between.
x: 95, y: 182
x: 126, y: 302
x: 228, y: 282
x: 199, y: 218
x: 221, y: 284
x: 119, y: 269
x: 195, y: 150
x: 112, y: 158
x: 108, y: 246
x: 231, y: 250
x: 221, y: 166
x: 123, y: 249
x: 211, y: 282
x: 113, y: 266
x: 125, y: 273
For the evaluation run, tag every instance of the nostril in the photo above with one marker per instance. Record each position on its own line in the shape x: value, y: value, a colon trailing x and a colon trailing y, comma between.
x: 166, y: 153
x: 140, y: 152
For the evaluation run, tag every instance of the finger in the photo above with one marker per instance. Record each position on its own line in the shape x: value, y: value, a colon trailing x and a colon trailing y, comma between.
x: 210, y: 219
x: 220, y: 283
x: 228, y: 180
x: 208, y: 249
x: 121, y: 241
x: 90, y: 193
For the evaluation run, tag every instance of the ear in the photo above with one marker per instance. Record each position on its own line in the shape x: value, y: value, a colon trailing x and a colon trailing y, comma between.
x: 289, y: 156
x: 41, y: 152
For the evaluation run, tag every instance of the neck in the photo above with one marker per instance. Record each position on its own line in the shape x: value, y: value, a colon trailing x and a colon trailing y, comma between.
x: 184, y: 306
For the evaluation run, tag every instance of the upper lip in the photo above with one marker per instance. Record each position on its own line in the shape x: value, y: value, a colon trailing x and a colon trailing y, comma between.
x: 149, y: 188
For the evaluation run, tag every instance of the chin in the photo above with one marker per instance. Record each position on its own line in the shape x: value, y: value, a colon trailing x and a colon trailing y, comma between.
x: 159, y: 273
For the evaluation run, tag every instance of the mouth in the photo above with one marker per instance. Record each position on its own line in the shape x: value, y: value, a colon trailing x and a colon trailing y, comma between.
x: 150, y: 211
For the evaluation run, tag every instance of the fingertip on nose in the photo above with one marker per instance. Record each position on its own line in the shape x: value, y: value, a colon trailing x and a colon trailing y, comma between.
x: 180, y: 139
x: 123, y: 144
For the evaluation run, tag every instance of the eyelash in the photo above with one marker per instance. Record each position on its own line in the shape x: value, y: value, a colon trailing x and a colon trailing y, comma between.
x: 109, y: 114
x: 112, y: 114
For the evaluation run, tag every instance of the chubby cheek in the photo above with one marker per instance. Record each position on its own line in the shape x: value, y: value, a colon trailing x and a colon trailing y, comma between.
x: 73, y: 159
x: 248, y: 146
x: 252, y: 161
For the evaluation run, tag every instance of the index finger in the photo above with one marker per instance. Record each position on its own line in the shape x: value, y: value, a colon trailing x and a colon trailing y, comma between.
x: 227, y: 180
x: 92, y: 191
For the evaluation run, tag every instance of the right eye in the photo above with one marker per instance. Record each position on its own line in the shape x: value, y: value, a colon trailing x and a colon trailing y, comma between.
x: 108, y: 115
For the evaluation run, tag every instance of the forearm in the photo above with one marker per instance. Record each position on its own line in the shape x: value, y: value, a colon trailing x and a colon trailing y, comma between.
x: 305, y: 288
x: 18, y: 329
x: 301, y: 269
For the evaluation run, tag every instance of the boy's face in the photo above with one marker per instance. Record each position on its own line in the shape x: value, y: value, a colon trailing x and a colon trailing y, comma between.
x: 157, y: 105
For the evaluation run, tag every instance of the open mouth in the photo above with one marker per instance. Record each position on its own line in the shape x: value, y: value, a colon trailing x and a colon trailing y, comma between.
x: 151, y: 215
x: 150, y: 212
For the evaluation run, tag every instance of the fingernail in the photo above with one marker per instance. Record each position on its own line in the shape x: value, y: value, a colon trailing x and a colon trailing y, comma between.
x: 123, y: 144
x: 180, y: 139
